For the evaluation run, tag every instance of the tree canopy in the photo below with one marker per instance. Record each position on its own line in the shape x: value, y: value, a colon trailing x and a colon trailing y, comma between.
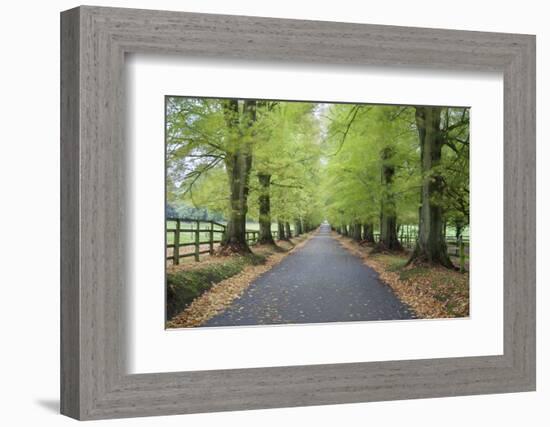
x: 361, y: 167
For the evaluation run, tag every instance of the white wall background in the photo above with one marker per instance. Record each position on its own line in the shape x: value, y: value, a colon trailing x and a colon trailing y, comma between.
x: 29, y: 224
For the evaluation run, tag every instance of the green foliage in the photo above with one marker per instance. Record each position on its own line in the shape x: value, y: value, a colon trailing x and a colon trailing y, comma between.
x: 325, y: 161
x: 292, y: 157
x: 455, y: 165
x: 362, y: 139
x: 186, y: 285
x: 286, y: 145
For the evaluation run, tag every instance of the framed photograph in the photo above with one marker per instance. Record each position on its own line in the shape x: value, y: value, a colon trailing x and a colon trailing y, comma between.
x: 262, y: 213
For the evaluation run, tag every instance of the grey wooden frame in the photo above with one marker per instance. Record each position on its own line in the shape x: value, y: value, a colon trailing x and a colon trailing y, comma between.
x: 94, y: 382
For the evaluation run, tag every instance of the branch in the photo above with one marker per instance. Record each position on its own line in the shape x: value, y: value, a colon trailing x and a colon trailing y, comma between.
x: 299, y: 187
x: 461, y: 122
x: 354, y: 111
x: 401, y: 111
x: 207, y: 155
x: 197, y: 173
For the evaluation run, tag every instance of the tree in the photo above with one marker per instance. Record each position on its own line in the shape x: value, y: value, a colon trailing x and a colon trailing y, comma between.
x: 195, y: 153
x: 455, y: 161
x: 264, y: 155
x: 369, y: 169
x: 371, y: 172
x: 238, y: 163
x: 368, y: 233
x: 207, y: 139
x: 265, y: 236
x: 388, y: 210
x: 285, y: 162
x: 431, y: 246
x: 350, y: 185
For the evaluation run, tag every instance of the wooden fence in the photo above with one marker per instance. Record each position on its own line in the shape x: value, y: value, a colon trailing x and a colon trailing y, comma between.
x: 459, y: 248
x: 408, y: 241
x: 200, y: 235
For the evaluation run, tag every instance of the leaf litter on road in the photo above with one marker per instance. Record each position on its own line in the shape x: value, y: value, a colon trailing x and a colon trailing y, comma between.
x: 223, y: 293
x: 432, y: 292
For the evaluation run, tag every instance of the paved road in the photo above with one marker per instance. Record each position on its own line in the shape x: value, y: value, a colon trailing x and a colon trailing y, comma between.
x: 320, y: 282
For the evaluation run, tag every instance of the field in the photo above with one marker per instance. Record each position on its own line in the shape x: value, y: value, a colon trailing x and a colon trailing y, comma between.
x: 189, y: 237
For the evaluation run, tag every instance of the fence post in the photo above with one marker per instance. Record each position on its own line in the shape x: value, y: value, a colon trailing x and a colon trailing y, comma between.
x: 197, y: 241
x: 211, y: 238
x: 462, y: 256
x: 176, y: 252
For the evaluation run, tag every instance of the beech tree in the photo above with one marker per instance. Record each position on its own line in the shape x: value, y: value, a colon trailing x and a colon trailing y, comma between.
x: 431, y: 245
x: 250, y: 160
x: 286, y: 161
x: 370, y: 170
x: 206, y: 137
x: 238, y: 163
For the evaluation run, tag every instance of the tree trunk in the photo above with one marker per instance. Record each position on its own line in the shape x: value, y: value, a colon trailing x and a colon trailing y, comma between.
x: 459, y: 226
x: 357, y: 232
x: 298, y: 227
x: 288, y: 233
x: 430, y: 246
x: 281, y: 228
x: 265, y: 237
x: 368, y: 233
x: 235, y: 233
x: 388, y: 214
x: 344, y: 230
x: 238, y: 164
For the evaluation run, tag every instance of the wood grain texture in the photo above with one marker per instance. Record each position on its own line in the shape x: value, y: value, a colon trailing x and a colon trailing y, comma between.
x: 70, y: 314
x: 94, y: 272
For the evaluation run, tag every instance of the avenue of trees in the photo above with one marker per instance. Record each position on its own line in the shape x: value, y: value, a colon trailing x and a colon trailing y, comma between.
x: 364, y: 168
x: 247, y: 159
x: 395, y: 165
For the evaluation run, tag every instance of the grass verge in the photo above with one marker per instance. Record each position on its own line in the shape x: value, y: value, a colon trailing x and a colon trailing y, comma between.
x: 197, y: 292
x: 183, y: 286
x: 431, y: 291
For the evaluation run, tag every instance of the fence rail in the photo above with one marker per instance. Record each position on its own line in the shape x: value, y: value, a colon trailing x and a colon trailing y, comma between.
x: 409, y: 241
x: 201, y: 235
x: 457, y: 247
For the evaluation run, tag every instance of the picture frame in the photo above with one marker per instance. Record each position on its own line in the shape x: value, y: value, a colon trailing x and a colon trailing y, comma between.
x: 94, y: 382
